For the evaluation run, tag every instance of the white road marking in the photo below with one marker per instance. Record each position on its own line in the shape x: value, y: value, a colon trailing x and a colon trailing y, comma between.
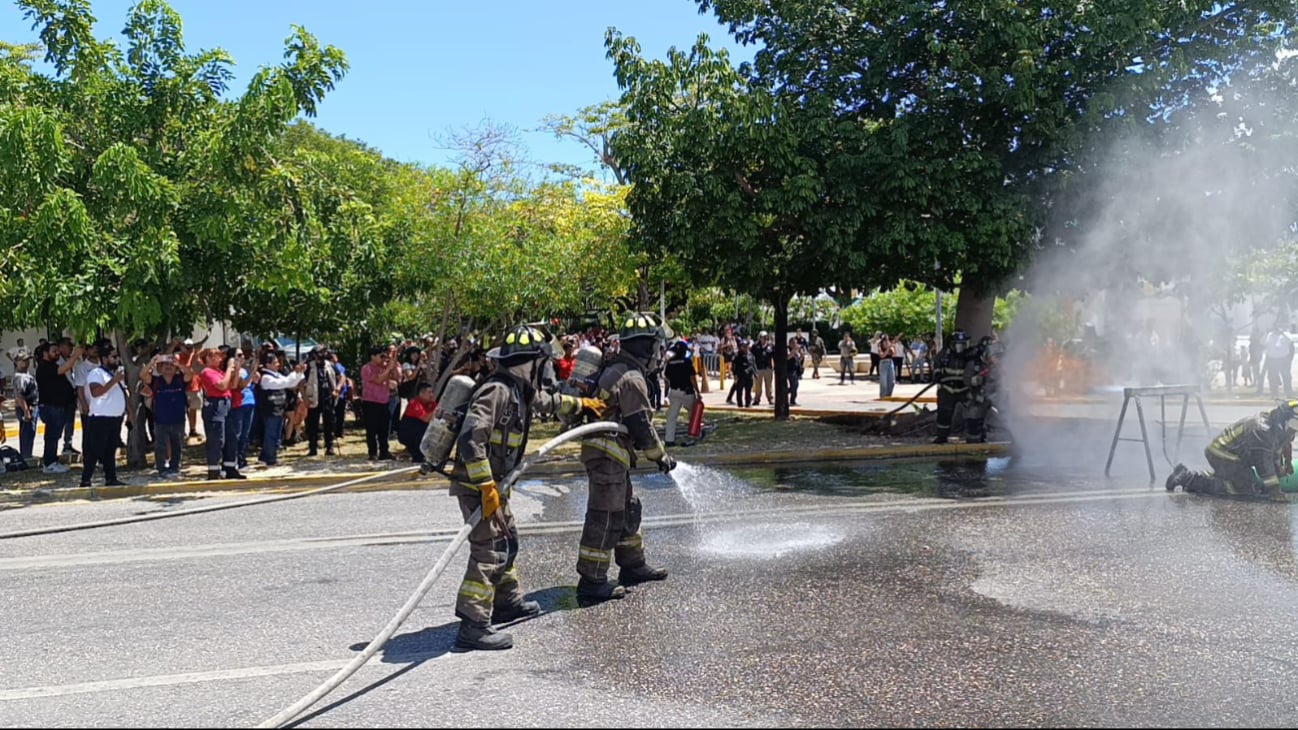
x: 164, y: 680
x: 552, y: 528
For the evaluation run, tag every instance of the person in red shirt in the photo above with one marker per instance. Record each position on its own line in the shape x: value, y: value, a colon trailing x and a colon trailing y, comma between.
x: 415, y: 421
x: 563, y: 365
x: 219, y: 381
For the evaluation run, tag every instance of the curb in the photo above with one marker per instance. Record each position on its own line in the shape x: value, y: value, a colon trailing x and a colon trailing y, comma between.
x: 558, y: 467
x: 254, y: 484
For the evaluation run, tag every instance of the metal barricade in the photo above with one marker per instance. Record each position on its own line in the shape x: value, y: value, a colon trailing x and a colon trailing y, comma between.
x: 1185, y: 392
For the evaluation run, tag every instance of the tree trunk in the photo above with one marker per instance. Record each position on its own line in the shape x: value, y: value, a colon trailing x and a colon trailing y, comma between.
x: 644, y: 301
x: 137, y: 452
x: 974, y: 309
x: 781, y: 301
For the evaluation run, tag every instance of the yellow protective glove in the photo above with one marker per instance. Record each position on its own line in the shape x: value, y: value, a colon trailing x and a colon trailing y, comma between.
x: 490, y: 499
x: 595, y: 406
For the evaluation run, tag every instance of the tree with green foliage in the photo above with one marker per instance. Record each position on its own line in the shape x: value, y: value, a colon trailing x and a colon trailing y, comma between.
x: 135, y: 191
x: 731, y: 178
x: 966, y: 121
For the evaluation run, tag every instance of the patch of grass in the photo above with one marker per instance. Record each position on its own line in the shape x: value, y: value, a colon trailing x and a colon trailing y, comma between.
x: 735, y: 431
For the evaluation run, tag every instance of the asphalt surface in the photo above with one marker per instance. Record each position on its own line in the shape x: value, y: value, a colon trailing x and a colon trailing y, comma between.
x: 1016, y: 591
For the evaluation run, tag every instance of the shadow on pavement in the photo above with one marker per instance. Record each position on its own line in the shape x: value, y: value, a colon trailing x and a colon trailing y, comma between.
x: 416, y: 647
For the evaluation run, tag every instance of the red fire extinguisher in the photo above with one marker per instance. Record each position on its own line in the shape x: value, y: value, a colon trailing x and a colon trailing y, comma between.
x: 696, y: 418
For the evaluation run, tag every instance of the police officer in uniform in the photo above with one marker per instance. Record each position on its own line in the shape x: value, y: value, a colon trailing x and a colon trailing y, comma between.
x: 1263, y: 443
x: 612, y: 529
x: 961, y: 374
x: 491, y: 443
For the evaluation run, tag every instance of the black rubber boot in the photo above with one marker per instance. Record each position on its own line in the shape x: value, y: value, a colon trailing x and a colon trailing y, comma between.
x: 1177, y: 478
x: 484, y: 638
x: 641, y: 574
x: 505, y: 614
x: 589, y: 594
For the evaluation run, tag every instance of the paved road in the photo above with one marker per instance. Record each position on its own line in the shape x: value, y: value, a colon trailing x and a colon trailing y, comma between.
x: 1005, y: 592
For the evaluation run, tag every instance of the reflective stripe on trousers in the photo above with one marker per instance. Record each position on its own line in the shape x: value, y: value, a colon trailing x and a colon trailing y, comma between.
x: 490, y: 579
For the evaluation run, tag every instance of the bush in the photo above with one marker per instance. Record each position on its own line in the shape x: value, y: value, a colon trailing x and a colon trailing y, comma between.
x: 912, y: 308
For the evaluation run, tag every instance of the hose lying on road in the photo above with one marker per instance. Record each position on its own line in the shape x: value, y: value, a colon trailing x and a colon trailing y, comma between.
x: 913, y: 398
x: 286, y: 716
x: 160, y: 515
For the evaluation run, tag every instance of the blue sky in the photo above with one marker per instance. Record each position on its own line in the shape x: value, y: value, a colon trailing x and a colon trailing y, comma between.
x: 419, y: 68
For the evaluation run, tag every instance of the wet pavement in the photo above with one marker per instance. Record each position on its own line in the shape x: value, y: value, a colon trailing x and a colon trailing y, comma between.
x: 1011, y: 591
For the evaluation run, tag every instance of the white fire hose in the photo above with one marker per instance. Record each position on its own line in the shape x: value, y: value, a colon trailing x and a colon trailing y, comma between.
x: 297, y: 708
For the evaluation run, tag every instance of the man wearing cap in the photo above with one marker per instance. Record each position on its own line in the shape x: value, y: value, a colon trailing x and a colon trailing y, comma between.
x: 185, y: 359
x: 26, y: 397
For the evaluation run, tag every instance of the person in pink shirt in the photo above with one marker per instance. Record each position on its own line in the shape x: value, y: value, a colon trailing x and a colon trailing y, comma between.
x: 219, y: 381
x: 378, y: 381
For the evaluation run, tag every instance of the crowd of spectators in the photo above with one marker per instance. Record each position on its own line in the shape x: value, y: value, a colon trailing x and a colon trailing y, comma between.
x: 257, y: 401
x: 254, y: 402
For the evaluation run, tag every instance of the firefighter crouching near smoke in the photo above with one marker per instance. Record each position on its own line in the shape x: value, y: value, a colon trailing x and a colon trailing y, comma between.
x: 1263, y: 442
x: 491, y: 443
x: 961, y: 375
x: 612, y: 530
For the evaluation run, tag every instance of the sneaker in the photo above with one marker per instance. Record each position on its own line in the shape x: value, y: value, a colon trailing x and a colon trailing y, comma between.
x: 116, y: 483
x: 590, y: 593
x: 641, y: 574
x: 486, y: 638
x: 56, y: 468
x: 505, y: 614
x: 68, y: 449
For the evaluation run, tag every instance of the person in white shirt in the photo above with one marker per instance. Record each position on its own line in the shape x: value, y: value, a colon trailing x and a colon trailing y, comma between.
x: 1279, y: 360
x: 105, y: 396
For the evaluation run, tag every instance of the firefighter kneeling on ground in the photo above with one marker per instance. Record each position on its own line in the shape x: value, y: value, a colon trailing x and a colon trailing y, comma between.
x: 961, y: 374
x: 612, y: 529
x: 491, y: 443
x: 1263, y: 443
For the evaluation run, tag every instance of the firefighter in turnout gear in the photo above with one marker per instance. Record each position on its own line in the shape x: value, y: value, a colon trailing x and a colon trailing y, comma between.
x: 961, y: 373
x: 1263, y: 443
x: 612, y: 529
x: 491, y: 443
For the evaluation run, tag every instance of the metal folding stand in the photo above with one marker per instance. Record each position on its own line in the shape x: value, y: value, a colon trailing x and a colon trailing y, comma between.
x: 1162, y: 391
